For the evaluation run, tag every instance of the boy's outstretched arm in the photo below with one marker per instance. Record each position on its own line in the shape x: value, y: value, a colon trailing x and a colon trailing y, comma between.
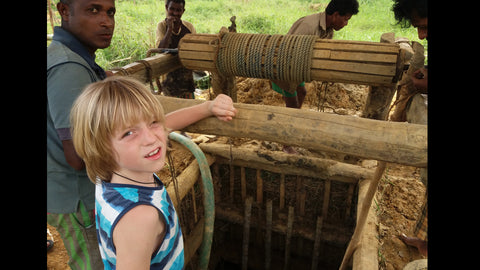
x: 221, y: 107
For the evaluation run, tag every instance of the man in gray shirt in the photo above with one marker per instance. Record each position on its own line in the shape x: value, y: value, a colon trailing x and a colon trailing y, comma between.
x: 87, y: 25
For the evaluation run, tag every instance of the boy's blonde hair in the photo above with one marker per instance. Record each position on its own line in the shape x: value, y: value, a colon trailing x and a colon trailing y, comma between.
x: 102, y: 108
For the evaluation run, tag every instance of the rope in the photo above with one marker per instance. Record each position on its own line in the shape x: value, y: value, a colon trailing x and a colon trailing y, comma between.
x: 285, y: 57
x: 149, y: 73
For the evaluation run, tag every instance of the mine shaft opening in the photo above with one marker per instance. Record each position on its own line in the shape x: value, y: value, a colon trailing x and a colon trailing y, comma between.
x: 322, y: 213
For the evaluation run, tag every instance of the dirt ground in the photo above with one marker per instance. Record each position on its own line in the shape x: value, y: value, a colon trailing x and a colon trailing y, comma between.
x: 400, y: 193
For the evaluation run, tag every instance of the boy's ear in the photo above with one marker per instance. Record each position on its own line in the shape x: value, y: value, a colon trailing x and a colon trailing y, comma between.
x: 64, y: 11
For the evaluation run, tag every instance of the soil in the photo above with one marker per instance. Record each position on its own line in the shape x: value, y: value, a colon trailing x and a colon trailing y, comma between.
x: 399, y: 196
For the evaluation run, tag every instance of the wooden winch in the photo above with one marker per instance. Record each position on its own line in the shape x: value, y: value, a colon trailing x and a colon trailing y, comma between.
x: 293, y: 58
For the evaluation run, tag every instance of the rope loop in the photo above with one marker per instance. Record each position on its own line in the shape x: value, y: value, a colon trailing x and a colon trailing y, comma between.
x: 278, y: 57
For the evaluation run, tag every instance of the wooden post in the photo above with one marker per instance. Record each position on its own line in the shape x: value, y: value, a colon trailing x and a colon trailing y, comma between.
x: 380, y: 97
x: 243, y: 183
x: 224, y: 84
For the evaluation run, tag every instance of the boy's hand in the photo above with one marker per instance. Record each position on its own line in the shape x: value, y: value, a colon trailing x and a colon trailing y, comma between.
x: 222, y: 108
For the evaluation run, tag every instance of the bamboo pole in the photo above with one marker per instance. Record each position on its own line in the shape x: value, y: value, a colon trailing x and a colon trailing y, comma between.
x: 362, y: 217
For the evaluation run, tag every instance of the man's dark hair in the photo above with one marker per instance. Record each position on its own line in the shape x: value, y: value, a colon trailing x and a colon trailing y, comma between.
x: 176, y: 1
x: 343, y: 7
x: 405, y: 9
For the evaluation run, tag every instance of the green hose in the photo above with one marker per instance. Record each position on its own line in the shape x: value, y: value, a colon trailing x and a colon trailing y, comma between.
x: 208, y: 196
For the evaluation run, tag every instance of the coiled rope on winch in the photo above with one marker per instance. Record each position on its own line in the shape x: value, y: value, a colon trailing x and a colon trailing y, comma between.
x: 278, y: 57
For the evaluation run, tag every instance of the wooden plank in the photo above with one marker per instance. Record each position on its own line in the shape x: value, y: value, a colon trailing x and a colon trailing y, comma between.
x: 355, y: 56
x: 196, y: 55
x: 349, y: 77
x: 348, y: 66
x: 199, y: 64
x: 199, y: 38
x: 397, y: 142
x: 352, y: 46
x: 196, y: 47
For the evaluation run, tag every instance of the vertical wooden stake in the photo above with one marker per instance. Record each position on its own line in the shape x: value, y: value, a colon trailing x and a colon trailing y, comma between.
x: 232, y: 181
x: 195, y: 215
x: 243, y: 183
x: 348, y: 208
x: 216, y: 179
x: 326, y: 198
x: 268, y: 235
x: 259, y: 187
x: 316, y: 245
x: 282, y: 191
x: 246, y: 232
x: 288, y: 237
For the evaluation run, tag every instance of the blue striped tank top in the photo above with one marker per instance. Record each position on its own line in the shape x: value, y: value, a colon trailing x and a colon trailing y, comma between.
x: 112, y: 201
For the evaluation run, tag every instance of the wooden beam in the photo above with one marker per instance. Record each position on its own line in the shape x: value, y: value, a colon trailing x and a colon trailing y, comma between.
x: 280, y: 162
x: 394, y: 142
x: 159, y: 64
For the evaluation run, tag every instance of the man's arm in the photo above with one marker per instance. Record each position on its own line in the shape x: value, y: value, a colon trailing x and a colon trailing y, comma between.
x: 164, y: 34
x: 71, y: 155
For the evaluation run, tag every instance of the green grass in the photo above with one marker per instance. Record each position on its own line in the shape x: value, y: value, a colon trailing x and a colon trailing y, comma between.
x: 136, y: 21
